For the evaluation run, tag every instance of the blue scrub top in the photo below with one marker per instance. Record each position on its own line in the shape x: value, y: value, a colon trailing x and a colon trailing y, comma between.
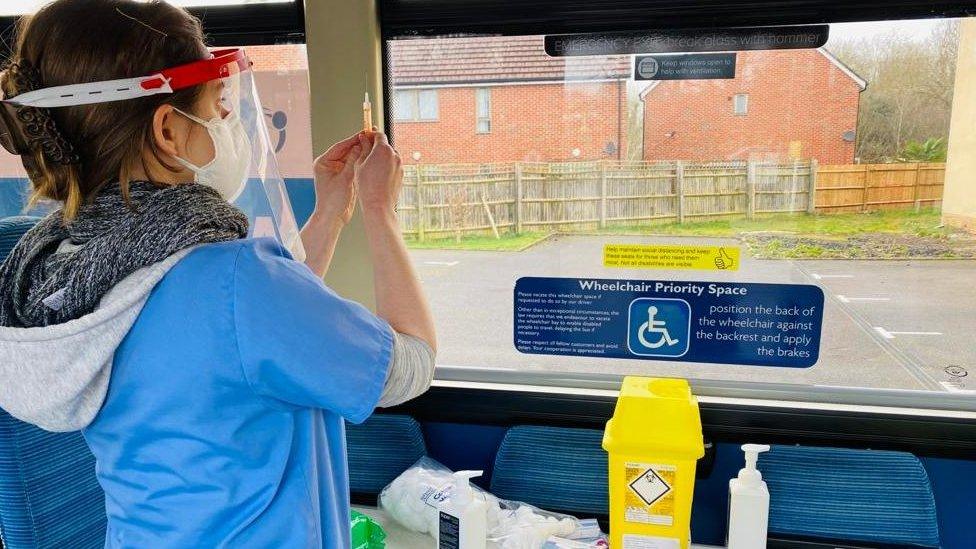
x: 223, y: 423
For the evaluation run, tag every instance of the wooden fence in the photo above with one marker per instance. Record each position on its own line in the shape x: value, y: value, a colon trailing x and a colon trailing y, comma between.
x: 866, y: 187
x: 442, y: 200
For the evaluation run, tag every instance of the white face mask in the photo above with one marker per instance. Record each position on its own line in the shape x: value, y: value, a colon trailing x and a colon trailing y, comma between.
x: 227, y: 172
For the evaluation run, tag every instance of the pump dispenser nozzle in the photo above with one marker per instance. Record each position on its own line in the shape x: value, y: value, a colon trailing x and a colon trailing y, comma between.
x: 749, y: 473
x: 462, y: 486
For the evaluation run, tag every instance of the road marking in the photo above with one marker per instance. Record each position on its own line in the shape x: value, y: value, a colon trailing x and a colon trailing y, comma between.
x: 444, y: 263
x: 820, y: 276
x: 911, y: 363
x: 891, y: 335
x: 953, y: 387
x: 845, y: 299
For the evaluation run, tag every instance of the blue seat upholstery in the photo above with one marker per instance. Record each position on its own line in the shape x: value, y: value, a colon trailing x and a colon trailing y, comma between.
x: 855, y: 495
x: 49, y: 497
x: 381, y: 448
x: 534, y: 463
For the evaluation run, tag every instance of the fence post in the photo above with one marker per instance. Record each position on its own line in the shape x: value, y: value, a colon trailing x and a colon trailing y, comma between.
x: 679, y: 174
x: 603, y: 193
x: 420, y: 204
x: 864, y: 190
x: 751, y: 189
x: 918, y: 176
x: 812, y: 193
x: 518, y: 198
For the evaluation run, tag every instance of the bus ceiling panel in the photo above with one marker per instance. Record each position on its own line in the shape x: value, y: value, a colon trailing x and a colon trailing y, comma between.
x: 230, y: 25
x: 439, y: 17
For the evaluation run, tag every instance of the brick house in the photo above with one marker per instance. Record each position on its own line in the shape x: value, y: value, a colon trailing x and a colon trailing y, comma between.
x: 502, y: 99
x: 782, y: 104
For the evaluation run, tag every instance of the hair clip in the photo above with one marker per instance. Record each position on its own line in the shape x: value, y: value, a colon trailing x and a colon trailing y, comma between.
x: 30, y: 128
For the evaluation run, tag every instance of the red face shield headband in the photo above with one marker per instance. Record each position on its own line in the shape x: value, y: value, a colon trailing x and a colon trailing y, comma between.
x: 24, y: 126
x: 224, y: 63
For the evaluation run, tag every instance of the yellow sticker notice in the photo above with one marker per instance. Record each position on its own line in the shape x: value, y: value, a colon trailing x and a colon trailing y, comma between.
x: 650, y: 493
x: 649, y: 256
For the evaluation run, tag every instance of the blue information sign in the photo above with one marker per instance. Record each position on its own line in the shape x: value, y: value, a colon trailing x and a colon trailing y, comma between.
x: 716, y: 322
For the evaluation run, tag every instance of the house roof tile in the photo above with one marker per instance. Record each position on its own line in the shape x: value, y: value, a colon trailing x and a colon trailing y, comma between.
x: 427, y: 61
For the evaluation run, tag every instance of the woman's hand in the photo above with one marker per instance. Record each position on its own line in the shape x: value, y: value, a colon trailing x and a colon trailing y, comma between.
x: 335, y: 202
x: 399, y: 297
x: 335, y: 186
x: 379, y: 174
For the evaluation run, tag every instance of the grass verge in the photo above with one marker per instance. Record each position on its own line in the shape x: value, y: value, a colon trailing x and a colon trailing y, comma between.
x: 925, y: 223
x: 508, y: 242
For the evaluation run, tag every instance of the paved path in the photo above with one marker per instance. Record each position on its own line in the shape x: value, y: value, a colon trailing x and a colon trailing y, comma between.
x: 887, y: 324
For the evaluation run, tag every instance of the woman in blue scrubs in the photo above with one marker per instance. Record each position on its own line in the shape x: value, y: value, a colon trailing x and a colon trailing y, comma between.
x: 211, y: 374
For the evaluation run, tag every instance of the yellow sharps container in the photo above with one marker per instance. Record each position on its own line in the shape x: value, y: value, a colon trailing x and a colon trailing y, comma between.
x: 654, y: 440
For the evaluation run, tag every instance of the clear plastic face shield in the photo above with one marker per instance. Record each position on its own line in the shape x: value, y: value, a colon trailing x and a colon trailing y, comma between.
x: 244, y: 168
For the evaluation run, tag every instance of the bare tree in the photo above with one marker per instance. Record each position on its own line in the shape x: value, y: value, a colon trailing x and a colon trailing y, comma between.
x: 910, y: 85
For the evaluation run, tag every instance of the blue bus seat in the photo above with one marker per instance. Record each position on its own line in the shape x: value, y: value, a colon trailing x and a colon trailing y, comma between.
x: 381, y: 448
x: 49, y: 497
x: 852, y: 495
x: 534, y: 465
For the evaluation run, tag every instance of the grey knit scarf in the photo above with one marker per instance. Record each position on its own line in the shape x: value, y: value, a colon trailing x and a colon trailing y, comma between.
x: 43, y: 282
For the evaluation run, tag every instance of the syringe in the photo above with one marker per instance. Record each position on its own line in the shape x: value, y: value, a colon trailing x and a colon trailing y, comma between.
x: 367, y: 114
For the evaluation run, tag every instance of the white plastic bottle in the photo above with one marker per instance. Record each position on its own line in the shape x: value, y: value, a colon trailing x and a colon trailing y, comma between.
x: 462, y: 521
x: 748, y: 503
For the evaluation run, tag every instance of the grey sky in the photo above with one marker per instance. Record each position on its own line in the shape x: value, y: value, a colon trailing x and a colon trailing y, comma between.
x: 916, y: 29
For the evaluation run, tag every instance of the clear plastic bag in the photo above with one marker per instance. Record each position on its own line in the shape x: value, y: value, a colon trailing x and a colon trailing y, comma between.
x: 518, y: 525
x: 413, y: 497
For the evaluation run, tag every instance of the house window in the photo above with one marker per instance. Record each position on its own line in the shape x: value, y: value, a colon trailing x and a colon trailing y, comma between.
x: 741, y: 104
x: 483, y: 100
x: 415, y: 105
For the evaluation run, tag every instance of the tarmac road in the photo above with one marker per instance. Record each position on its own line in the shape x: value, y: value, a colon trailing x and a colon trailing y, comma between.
x: 887, y: 324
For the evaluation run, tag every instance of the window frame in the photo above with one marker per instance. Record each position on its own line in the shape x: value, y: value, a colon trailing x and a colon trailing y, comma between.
x: 513, y: 400
x: 442, y: 17
x: 478, y: 118
x: 415, y: 94
x: 735, y: 104
x: 404, y: 19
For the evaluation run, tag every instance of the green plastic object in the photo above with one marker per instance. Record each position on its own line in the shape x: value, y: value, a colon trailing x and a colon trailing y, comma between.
x: 366, y: 533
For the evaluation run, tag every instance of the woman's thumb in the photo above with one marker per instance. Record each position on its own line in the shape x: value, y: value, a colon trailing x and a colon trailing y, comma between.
x: 363, y: 150
x: 352, y: 158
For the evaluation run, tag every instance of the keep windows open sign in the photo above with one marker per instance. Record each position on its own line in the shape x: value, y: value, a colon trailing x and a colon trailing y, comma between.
x: 702, y: 66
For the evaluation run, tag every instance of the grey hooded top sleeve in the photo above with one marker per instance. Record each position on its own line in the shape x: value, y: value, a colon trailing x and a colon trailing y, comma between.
x: 411, y: 370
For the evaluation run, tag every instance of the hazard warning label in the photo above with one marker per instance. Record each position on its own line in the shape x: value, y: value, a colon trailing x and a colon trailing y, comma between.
x: 650, y: 497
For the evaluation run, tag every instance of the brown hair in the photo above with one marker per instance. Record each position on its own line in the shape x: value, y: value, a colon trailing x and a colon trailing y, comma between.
x: 75, y: 41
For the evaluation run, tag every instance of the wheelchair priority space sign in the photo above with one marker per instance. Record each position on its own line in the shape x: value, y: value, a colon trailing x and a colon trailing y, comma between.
x: 659, y: 327
x: 688, y: 321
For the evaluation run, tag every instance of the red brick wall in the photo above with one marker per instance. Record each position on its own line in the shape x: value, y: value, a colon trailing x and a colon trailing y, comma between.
x: 279, y: 57
x: 537, y: 122
x: 797, y: 95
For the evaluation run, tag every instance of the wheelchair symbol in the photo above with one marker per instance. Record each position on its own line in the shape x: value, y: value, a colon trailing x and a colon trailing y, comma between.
x: 659, y: 327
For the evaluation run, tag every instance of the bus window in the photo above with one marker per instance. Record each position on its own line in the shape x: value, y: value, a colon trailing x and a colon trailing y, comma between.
x: 834, y: 167
x: 281, y: 76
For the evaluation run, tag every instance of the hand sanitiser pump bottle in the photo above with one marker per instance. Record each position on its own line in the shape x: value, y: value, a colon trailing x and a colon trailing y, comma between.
x: 748, y: 503
x: 463, y: 519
